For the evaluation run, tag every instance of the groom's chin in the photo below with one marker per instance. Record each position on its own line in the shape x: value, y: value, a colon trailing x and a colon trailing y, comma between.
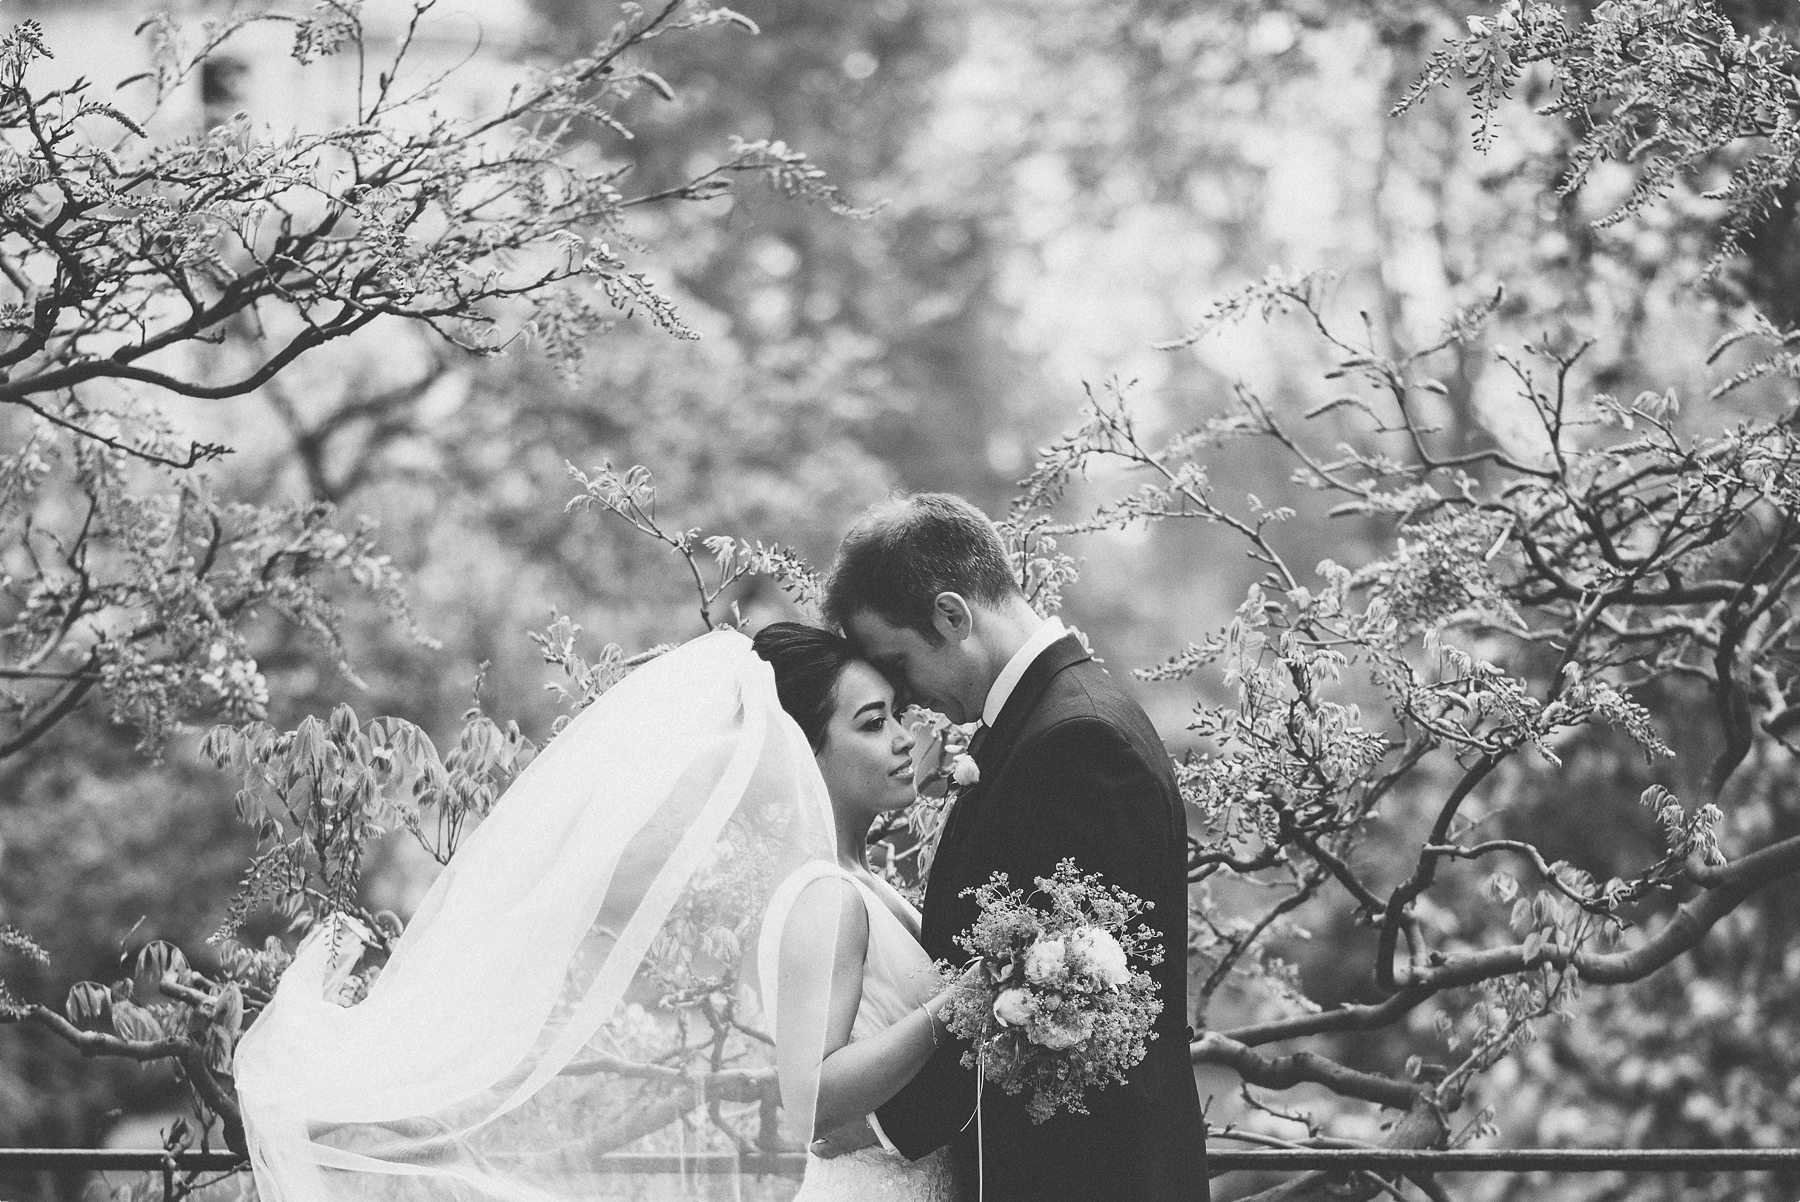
x: 951, y: 709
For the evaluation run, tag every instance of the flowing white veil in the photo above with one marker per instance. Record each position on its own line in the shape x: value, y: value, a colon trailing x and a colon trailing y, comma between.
x: 569, y: 986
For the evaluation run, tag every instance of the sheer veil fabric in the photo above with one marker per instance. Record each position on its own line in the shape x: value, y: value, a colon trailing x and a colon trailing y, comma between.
x: 570, y: 985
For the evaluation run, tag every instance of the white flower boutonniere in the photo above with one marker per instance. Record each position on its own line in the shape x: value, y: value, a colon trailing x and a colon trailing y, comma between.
x: 942, y: 768
x: 940, y: 753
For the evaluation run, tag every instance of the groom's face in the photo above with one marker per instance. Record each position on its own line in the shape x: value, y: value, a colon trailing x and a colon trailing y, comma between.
x: 944, y: 677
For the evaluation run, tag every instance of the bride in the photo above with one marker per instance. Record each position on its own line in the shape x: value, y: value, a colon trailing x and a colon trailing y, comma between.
x: 577, y: 981
x: 871, y: 1004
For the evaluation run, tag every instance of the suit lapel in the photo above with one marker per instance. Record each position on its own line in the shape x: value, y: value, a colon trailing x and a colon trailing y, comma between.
x: 950, y: 875
x: 997, y: 748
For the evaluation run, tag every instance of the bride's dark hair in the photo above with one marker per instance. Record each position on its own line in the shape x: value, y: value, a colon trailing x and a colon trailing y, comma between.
x: 808, y: 661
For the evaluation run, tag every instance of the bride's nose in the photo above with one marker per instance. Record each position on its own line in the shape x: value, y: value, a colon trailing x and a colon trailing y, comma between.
x: 903, y: 740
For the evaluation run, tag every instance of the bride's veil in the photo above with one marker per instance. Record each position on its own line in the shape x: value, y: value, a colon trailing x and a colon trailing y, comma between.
x: 570, y: 985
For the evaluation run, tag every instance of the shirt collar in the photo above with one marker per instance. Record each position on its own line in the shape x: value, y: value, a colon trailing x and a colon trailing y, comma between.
x: 1009, y: 677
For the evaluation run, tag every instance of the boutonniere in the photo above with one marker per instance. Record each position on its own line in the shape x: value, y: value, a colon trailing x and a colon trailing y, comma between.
x: 942, y: 765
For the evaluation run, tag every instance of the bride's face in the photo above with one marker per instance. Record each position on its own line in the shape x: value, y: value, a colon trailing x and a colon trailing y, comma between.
x: 864, y: 759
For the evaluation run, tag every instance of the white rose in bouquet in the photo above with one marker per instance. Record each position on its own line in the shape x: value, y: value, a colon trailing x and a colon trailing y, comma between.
x: 1044, y: 961
x: 1013, y: 1007
x: 1065, y: 1034
x: 1104, y: 957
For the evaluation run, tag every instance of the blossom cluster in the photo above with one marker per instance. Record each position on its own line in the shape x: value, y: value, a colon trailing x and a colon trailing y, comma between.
x: 942, y: 768
x: 940, y: 754
x: 1060, y: 1007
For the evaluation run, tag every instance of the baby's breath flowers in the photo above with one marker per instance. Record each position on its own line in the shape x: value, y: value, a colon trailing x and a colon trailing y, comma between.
x: 1059, y: 1009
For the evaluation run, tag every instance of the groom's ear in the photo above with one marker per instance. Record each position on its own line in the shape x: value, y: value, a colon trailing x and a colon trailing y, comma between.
x: 951, y: 617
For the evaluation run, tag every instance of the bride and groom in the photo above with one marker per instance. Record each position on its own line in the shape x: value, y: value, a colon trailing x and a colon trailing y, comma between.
x: 727, y: 776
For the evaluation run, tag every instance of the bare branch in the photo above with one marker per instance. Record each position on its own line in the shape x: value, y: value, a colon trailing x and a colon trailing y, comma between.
x: 1284, y: 1072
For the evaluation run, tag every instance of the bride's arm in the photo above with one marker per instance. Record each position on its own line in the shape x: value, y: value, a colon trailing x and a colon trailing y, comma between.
x: 818, y: 999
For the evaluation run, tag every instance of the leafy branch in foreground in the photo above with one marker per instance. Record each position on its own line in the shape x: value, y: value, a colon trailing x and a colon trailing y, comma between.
x: 1515, y: 608
x: 134, y: 271
x: 139, y: 585
x: 630, y: 497
x: 121, y: 253
x: 137, y: 271
x: 1671, y: 88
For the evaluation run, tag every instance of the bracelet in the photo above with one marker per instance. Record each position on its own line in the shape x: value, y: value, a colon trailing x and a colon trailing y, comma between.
x: 931, y: 1025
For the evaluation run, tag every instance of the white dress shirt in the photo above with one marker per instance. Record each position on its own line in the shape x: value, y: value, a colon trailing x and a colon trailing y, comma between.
x: 1014, y: 671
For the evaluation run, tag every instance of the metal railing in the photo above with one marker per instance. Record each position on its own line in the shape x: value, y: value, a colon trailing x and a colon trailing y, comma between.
x: 790, y: 1164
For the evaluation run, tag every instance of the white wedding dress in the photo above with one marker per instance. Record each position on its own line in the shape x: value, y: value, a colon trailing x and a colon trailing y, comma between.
x: 897, y: 978
x: 503, y: 1053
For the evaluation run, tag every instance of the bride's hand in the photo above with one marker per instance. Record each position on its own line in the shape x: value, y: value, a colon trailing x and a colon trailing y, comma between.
x: 851, y: 1137
x: 973, y: 973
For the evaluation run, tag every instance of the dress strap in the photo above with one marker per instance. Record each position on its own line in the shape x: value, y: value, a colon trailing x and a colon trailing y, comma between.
x: 768, y: 953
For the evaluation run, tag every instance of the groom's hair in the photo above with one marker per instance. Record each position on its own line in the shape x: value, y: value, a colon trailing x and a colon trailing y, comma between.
x: 902, y: 553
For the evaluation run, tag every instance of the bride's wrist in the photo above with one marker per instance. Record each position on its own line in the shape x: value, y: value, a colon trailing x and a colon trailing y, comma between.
x: 931, y: 1020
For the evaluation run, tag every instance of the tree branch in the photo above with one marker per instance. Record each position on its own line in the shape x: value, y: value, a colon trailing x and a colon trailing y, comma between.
x: 183, y: 1051
x: 1285, y: 1072
x: 1337, y: 1018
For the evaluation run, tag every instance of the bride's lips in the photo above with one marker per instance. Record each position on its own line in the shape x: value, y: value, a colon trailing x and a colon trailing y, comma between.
x: 903, y: 769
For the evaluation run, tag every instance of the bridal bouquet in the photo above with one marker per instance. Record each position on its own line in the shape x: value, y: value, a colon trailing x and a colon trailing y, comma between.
x: 1062, y: 1005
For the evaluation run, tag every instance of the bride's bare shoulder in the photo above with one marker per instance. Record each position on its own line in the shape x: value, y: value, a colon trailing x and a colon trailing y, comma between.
x: 829, y: 911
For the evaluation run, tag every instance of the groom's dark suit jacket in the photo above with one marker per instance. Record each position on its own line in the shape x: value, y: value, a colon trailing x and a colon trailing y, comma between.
x: 1071, y: 769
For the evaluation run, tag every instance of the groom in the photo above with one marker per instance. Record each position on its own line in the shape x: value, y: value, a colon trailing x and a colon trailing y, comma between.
x: 1069, y: 767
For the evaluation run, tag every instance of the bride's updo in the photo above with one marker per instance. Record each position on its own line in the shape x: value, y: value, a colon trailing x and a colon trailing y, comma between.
x: 808, y: 661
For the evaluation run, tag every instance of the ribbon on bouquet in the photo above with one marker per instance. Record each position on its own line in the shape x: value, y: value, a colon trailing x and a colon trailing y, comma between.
x: 980, y: 1147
